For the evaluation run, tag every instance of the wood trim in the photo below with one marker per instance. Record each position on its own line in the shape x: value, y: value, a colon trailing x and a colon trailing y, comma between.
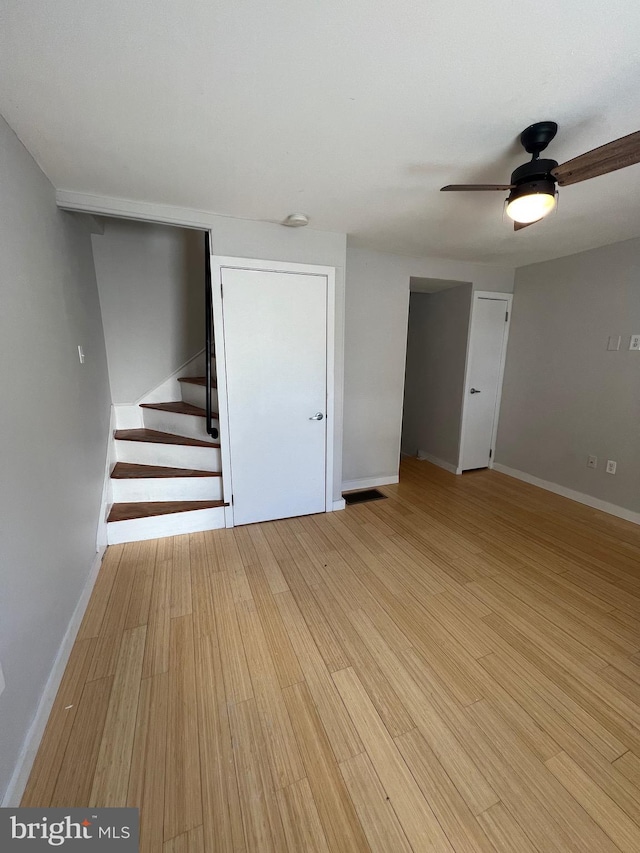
x: 197, y: 380
x: 134, y: 471
x: 144, y: 509
x: 178, y: 408
x: 154, y: 436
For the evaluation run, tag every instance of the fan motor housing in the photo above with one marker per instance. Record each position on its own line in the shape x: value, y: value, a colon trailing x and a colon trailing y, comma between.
x: 535, y: 170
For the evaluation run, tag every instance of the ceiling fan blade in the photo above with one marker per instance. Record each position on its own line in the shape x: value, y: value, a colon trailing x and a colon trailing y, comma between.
x: 456, y: 188
x: 607, y: 158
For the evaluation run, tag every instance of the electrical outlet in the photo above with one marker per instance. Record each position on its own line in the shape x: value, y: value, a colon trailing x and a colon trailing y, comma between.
x: 2, y: 683
x: 611, y: 466
x: 634, y: 343
x: 592, y: 461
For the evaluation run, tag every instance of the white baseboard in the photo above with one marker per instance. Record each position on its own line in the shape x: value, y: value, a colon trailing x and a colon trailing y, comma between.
x: 338, y: 505
x: 20, y: 777
x: 580, y: 497
x: 427, y: 457
x: 368, y: 483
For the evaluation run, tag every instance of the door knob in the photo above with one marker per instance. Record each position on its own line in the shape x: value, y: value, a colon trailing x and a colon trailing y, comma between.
x: 474, y: 391
x: 317, y: 417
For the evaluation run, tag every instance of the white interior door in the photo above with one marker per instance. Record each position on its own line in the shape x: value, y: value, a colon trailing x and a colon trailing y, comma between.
x: 275, y: 334
x: 484, y: 380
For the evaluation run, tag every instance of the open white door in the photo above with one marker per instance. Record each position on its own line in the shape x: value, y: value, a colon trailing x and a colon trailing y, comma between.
x: 275, y: 344
x: 483, y: 386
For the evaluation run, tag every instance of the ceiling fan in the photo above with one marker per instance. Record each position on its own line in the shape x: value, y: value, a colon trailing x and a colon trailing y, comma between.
x: 533, y: 191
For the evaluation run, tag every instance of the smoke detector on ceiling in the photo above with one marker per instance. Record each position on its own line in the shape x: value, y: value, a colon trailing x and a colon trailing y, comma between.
x: 296, y: 220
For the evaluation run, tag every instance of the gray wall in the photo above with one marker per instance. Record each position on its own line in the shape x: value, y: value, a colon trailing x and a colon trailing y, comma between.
x: 54, y: 422
x: 564, y: 395
x: 434, y: 378
x: 151, y: 285
x: 376, y: 310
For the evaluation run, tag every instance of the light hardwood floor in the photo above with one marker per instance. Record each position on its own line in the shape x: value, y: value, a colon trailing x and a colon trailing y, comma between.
x: 455, y: 668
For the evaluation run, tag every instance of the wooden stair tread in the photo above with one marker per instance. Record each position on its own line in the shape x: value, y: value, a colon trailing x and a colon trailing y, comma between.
x: 154, y: 436
x: 178, y: 409
x: 198, y: 380
x: 133, y: 471
x: 145, y: 509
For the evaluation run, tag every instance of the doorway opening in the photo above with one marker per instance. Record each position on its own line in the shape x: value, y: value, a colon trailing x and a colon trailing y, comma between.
x: 437, y: 338
x: 456, y: 345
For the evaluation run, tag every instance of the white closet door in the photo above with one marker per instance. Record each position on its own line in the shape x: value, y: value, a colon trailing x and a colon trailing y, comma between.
x: 484, y: 377
x: 275, y: 332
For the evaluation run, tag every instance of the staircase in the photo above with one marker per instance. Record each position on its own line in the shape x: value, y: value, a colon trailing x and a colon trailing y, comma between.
x: 167, y: 479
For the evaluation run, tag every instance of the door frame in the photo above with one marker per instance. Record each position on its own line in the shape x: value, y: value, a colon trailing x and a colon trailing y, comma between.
x: 476, y: 296
x: 218, y: 264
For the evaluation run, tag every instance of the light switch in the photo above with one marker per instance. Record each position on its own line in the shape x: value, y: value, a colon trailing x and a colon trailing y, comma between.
x: 81, y: 353
x: 634, y: 343
x: 614, y: 342
x: 2, y: 684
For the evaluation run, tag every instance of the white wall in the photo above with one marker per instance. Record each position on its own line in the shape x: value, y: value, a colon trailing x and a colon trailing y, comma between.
x: 242, y: 238
x: 434, y: 378
x: 151, y: 284
x: 54, y: 422
x: 376, y: 311
x: 565, y: 396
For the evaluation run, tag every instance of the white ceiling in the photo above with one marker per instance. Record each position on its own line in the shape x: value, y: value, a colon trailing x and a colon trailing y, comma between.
x: 352, y: 112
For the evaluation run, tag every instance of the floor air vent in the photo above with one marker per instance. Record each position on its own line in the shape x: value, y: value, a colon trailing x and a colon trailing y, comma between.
x: 361, y: 497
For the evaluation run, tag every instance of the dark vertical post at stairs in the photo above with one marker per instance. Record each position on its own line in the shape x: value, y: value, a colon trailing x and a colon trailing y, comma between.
x: 208, y: 310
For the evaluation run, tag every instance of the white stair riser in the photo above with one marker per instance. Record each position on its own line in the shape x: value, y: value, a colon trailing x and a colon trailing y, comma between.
x: 197, y: 395
x: 167, y: 489
x: 189, y: 425
x: 169, y: 455
x: 172, y: 524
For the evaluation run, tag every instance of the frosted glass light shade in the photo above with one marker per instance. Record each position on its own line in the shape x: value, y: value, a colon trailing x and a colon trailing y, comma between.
x: 531, y: 207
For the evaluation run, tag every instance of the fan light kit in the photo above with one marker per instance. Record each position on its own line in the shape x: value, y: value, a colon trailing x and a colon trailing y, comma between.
x: 532, y: 191
x: 526, y: 206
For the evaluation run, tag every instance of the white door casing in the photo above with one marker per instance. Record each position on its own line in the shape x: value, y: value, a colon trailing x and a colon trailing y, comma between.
x: 276, y: 355
x: 488, y: 333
